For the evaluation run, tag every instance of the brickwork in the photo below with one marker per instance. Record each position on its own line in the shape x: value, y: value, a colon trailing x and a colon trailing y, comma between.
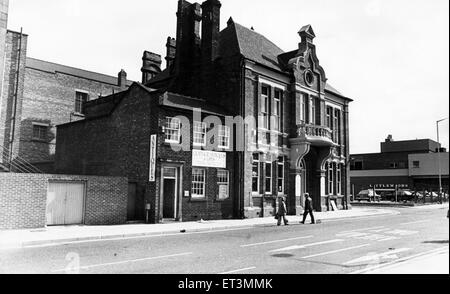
x: 23, y: 199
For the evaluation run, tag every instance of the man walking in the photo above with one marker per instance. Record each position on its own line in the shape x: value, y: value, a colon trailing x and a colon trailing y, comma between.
x: 308, y: 209
x: 282, y: 211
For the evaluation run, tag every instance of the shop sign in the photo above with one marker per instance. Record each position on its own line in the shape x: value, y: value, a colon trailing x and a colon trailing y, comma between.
x: 152, y: 168
x: 202, y: 158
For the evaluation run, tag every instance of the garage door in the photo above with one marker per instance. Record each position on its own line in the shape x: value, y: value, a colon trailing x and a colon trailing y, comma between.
x: 65, y: 203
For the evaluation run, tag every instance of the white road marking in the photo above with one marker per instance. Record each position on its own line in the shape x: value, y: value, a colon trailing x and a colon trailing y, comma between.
x: 418, y: 222
x: 360, y: 230
x: 276, y: 241
x: 128, y: 238
x: 396, y: 262
x: 126, y: 261
x: 335, y: 251
x: 367, y: 258
x: 295, y: 247
x: 239, y: 270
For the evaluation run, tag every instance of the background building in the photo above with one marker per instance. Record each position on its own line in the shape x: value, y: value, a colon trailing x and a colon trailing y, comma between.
x: 37, y: 95
x: 410, y: 165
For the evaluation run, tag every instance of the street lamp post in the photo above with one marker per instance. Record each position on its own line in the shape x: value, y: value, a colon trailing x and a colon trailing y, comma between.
x: 439, y: 159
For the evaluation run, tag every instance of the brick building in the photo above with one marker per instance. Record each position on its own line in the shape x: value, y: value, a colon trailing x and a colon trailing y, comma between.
x: 411, y: 164
x: 37, y: 95
x: 279, y: 128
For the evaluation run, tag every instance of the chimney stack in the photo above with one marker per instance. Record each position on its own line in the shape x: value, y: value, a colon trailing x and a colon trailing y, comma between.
x: 122, y: 79
x: 210, y: 29
x: 171, y: 46
x: 151, y: 66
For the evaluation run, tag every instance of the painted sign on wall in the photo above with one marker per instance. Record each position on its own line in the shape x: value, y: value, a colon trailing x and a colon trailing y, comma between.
x: 209, y: 159
x: 152, y: 168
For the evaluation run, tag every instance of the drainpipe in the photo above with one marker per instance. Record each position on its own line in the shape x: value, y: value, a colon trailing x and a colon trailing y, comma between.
x: 16, y: 92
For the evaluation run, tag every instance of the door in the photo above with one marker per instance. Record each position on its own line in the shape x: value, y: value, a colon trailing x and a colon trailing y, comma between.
x: 65, y: 203
x: 170, y: 194
x: 169, y: 198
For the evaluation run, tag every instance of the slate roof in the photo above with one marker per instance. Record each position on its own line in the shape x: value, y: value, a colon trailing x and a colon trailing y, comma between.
x: 237, y: 39
x: 54, y: 68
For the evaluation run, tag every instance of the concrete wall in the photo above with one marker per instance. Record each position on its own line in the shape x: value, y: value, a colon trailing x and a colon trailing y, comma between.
x: 429, y: 164
x: 23, y: 199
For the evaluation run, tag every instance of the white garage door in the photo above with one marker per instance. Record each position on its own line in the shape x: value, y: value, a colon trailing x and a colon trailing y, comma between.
x: 65, y: 203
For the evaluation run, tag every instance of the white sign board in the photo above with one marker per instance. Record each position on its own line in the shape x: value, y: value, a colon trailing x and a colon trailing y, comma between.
x: 152, y: 168
x: 209, y: 159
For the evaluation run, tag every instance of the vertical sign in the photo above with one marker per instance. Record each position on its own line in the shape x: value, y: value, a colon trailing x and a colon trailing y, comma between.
x: 152, y: 168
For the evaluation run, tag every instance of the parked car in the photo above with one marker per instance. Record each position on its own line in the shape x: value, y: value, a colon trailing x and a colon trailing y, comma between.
x: 368, y: 195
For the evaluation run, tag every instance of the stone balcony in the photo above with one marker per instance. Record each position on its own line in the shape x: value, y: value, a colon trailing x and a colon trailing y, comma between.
x: 315, y: 135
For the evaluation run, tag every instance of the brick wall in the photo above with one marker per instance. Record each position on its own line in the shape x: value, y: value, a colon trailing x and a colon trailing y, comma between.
x: 49, y: 98
x: 23, y: 199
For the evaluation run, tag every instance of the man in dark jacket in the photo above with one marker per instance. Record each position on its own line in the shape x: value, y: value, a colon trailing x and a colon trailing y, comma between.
x: 282, y: 211
x: 308, y: 209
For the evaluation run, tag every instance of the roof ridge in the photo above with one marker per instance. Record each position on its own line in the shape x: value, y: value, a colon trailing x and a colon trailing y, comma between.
x: 71, y: 67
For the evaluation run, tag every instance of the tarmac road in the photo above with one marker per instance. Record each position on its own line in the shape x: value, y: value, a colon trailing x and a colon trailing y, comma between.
x: 332, y: 247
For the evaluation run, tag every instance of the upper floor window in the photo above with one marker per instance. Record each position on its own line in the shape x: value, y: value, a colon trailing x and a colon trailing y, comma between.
x: 224, y: 137
x: 393, y: 165
x: 356, y: 165
x: 416, y: 164
x: 304, y: 100
x: 80, y: 101
x: 199, y: 134
x: 329, y: 118
x: 337, y: 126
x: 277, y: 111
x: 172, y: 130
x: 312, y: 111
x: 40, y: 132
x: 265, y: 106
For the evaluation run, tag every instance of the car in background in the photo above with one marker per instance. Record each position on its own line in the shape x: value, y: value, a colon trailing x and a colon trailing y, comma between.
x: 368, y: 195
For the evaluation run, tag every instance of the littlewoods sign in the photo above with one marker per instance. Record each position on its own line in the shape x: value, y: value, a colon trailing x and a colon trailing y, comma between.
x: 209, y: 159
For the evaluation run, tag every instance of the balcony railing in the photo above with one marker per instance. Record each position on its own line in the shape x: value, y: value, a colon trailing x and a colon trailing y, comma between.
x: 315, y: 134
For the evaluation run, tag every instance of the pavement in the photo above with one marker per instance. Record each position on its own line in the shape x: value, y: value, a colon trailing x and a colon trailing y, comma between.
x: 430, y: 263
x: 10, y: 239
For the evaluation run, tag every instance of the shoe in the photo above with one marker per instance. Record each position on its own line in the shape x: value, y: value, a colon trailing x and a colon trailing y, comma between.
x: 286, y: 224
x: 302, y: 223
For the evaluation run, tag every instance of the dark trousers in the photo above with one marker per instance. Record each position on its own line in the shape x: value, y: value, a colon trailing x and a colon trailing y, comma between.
x: 282, y: 216
x: 310, y: 212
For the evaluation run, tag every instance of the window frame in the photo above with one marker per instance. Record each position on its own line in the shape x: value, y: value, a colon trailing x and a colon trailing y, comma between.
x: 40, y: 127
x: 195, y: 182
x: 167, y: 128
x: 265, y: 100
x: 278, y: 110
x: 267, y: 178
x: 203, y: 133
x: 222, y: 183
x: 256, y: 161
x: 281, y: 163
x: 225, y: 130
x: 80, y: 103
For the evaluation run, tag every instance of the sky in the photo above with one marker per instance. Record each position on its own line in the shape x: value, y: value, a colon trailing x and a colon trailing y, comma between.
x: 390, y: 56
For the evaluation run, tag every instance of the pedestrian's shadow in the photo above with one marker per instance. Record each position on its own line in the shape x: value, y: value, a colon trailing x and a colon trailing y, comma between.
x: 436, y: 242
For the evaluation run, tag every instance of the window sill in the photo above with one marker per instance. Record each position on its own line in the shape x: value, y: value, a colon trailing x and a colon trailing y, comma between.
x: 78, y: 114
x: 39, y: 141
x: 198, y: 199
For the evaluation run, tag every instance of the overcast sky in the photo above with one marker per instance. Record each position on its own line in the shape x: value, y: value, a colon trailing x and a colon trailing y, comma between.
x: 390, y: 56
